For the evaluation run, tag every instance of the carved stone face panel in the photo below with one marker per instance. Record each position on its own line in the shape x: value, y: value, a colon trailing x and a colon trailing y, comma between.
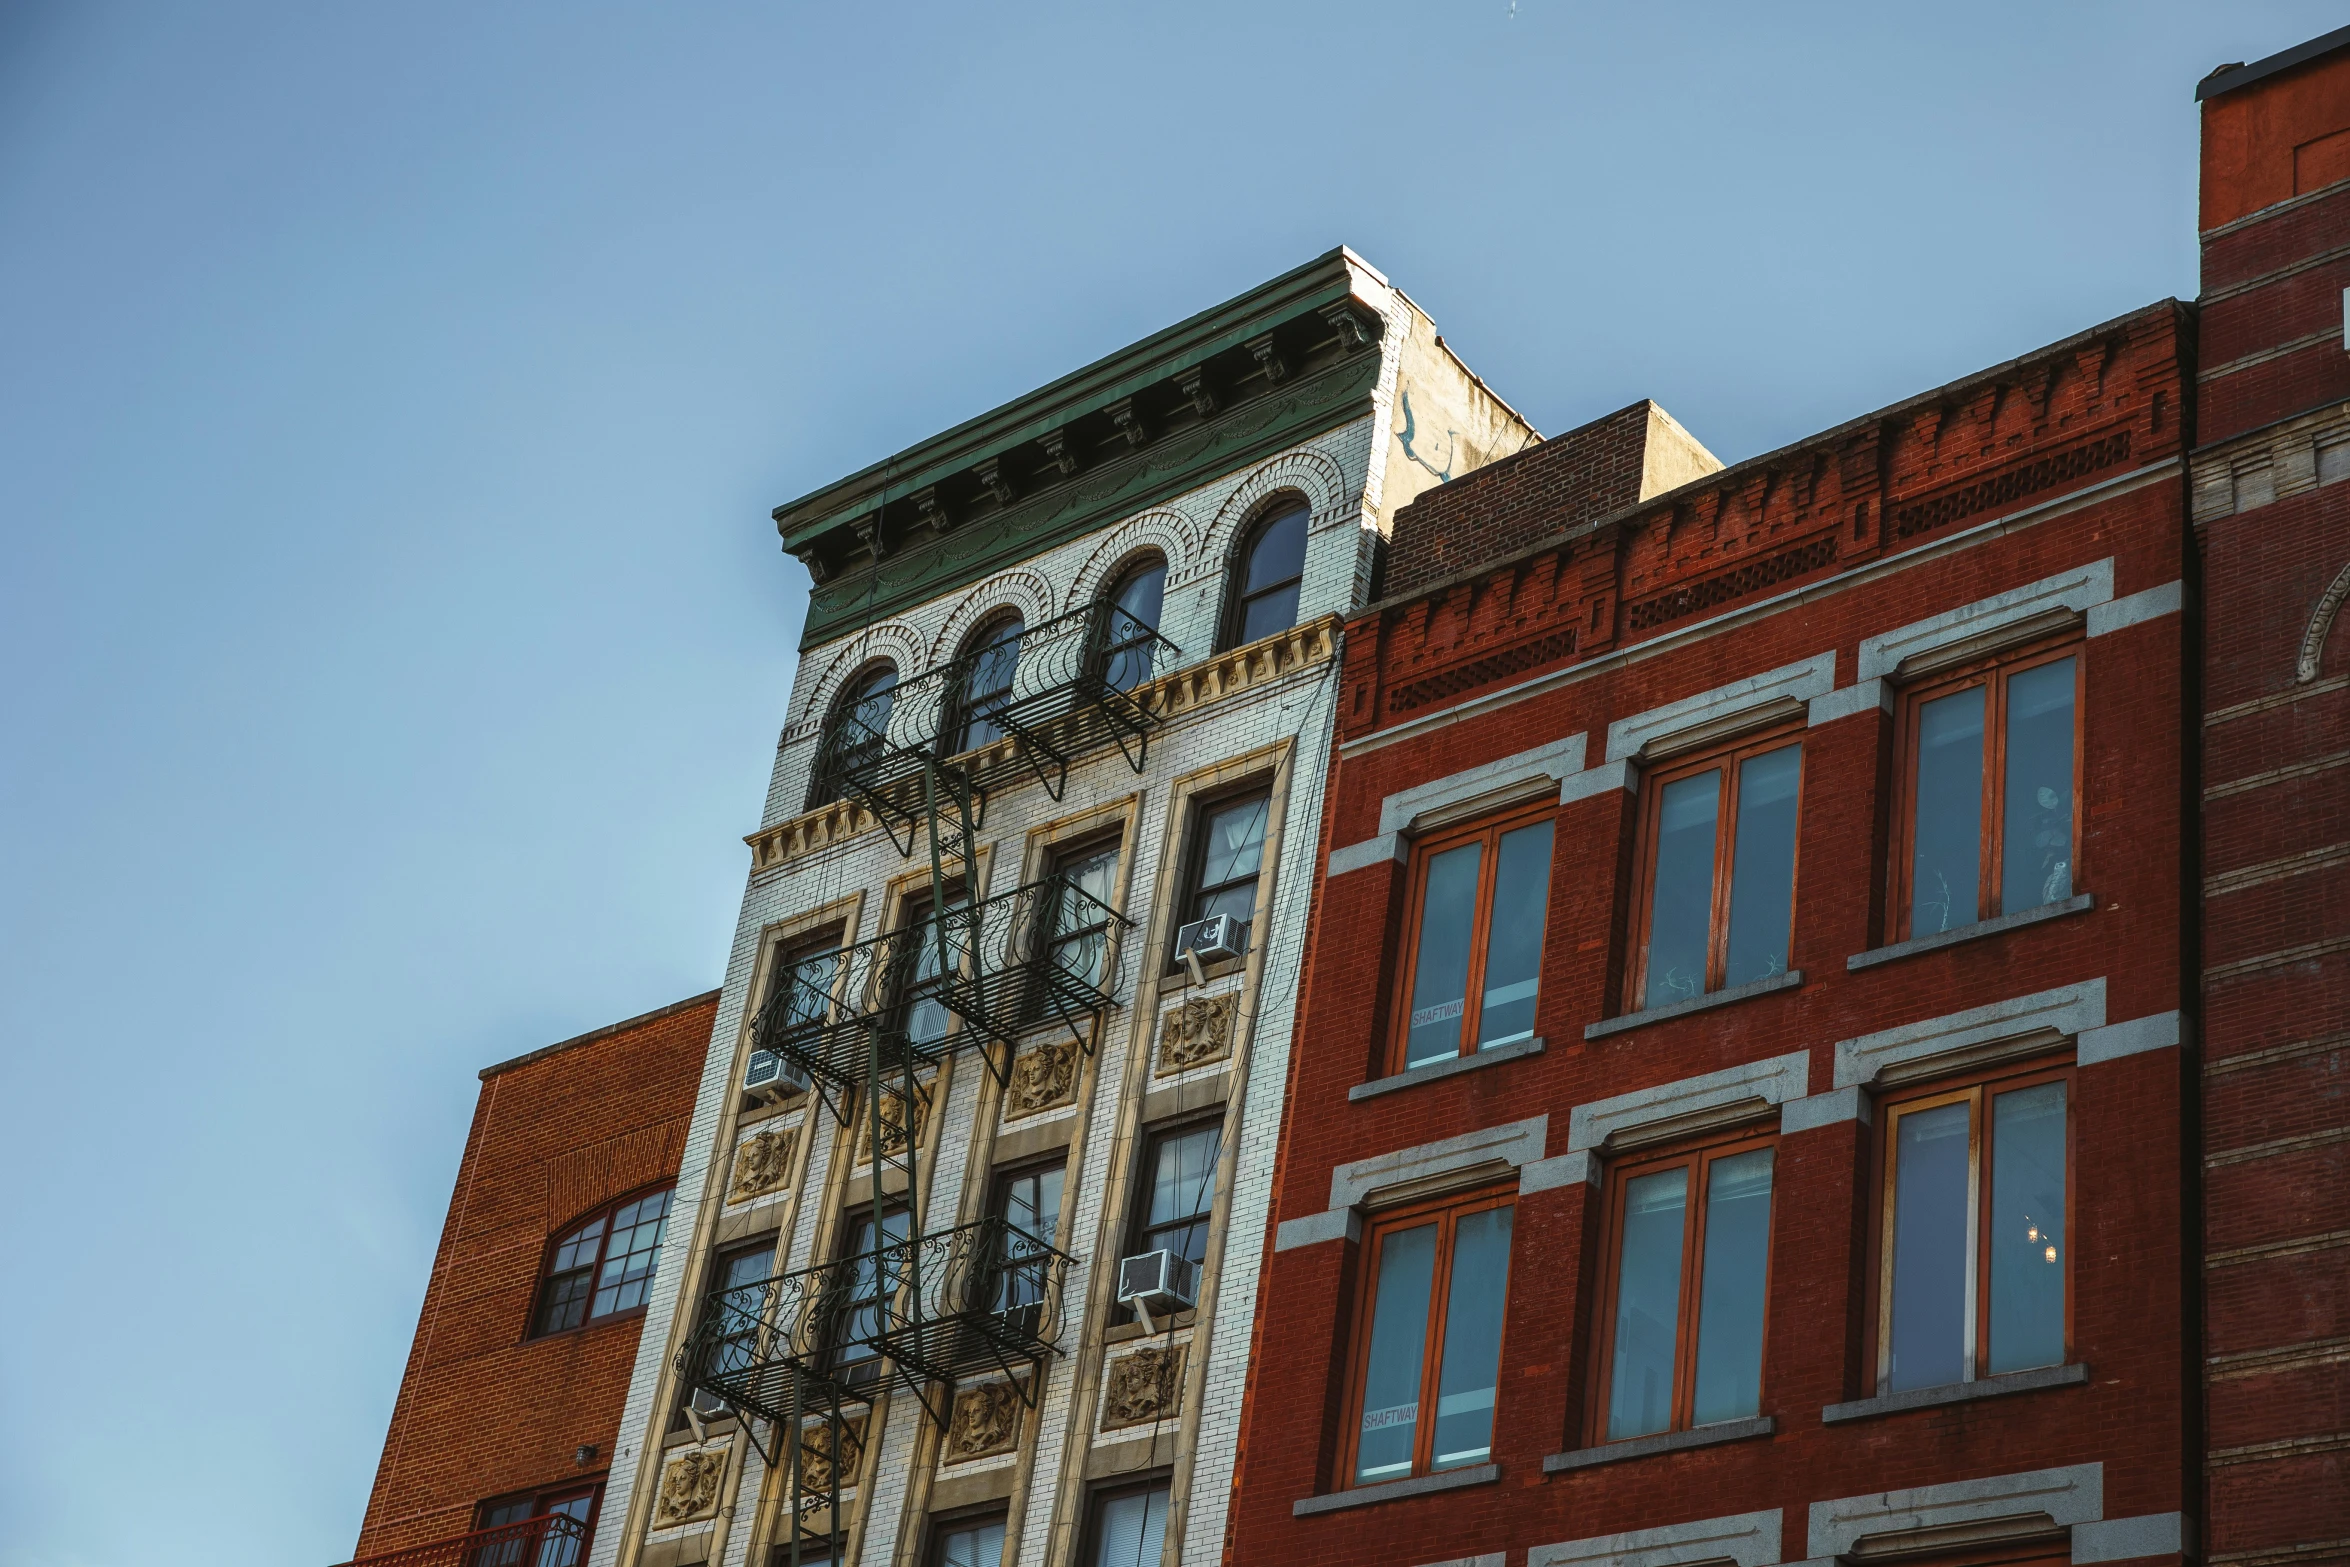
x: 762, y: 1163
x: 986, y: 1422
x: 689, y: 1487
x: 1143, y: 1386
x: 1197, y: 1032
x: 816, y: 1455
x: 893, y: 1123
x: 1043, y: 1078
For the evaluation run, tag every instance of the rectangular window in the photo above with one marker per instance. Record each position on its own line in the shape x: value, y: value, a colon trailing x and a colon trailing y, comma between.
x: 1681, y: 1344
x: 1718, y: 872
x: 968, y: 1542
x: 871, y: 1278
x: 548, y: 1529
x: 919, y: 978
x: 1991, y: 794
x: 800, y: 990
x: 1079, y: 941
x: 1028, y: 1204
x: 1430, y: 1339
x: 1478, y: 897
x: 1129, y: 1526
x: 736, y: 1305
x: 1226, y: 856
x: 1178, y: 1190
x: 1973, y: 1251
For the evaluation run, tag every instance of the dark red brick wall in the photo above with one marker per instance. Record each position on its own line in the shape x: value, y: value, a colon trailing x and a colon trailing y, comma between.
x: 2133, y: 1288
x: 484, y: 1411
x: 1501, y: 508
x: 2276, y: 910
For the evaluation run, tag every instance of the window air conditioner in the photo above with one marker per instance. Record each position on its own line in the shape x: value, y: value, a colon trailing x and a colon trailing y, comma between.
x: 770, y: 1076
x: 1211, y: 940
x: 1164, y: 1279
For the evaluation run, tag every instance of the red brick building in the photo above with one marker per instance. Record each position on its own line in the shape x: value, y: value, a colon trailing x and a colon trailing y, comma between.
x: 512, y: 1398
x: 1740, y: 1107
x: 2272, y: 515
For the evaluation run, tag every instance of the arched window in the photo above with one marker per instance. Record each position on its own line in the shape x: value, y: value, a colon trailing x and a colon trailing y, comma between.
x: 853, y: 737
x: 990, y: 660
x: 603, y: 1266
x: 1130, y: 623
x: 1265, y: 582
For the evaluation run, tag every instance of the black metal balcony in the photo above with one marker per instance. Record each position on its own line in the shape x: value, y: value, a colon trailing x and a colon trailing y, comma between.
x: 976, y: 1300
x: 1034, y: 957
x: 551, y: 1540
x: 926, y: 1312
x: 1029, y: 705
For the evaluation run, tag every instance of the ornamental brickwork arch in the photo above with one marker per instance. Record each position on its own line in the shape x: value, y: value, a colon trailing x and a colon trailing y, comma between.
x: 1169, y: 532
x: 893, y: 640
x: 1026, y: 591
x: 1311, y: 474
x: 2321, y: 626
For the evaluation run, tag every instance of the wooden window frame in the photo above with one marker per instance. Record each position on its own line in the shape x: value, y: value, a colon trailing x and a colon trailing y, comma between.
x: 1190, y: 890
x: 1993, y: 672
x: 1979, y: 1088
x: 823, y: 788
x: 554, y: 1243
x: 541, y: 1499
x: 1488, y: 830
x: 1058, y: 858
x: 1108, y: 646
x: 964, y: 709
x: 1448, y: 1210
x: 1727, y: 757
x: 1237, y: 595
x: 1698, y: 1157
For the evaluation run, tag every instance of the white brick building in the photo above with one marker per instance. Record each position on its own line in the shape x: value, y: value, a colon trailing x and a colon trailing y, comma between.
x: 1317, y: 403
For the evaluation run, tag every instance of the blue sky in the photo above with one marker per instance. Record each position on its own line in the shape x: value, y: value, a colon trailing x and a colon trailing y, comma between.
x: 392, y: 399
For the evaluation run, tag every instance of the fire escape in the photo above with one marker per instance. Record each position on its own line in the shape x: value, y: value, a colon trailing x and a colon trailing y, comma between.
x: 868, y: 1027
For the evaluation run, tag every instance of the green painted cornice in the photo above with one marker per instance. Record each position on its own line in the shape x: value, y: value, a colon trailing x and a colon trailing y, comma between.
x: 1278, y: 364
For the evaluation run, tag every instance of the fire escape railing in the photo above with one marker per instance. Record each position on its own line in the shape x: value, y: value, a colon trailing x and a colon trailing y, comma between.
x: 1028, y: 706
x: 803, y: 1349
x: 1008, y: 970
x: 550, y: 1540
x: 923, y: 1310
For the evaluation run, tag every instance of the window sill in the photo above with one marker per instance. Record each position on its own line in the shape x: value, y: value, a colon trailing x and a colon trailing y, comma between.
x: 2079, y: 903
x: 1662, y: 1442
x: 1121, y: 1332
x: 1720, y: 998
x: 1393, y: 1490
x: 1417, y: 1075
x: 2075, y: 1375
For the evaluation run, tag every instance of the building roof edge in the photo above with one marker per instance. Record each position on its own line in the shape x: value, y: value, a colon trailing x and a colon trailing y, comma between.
x: 594, y: 1034
x: 2227, y: 78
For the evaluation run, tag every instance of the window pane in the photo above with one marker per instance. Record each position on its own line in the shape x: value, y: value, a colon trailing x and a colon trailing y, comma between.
x: 1032, y: 1207
x: 1440, y: 980
x: 1946, y: 870
x: 629, y: 1261
x: 1929, y: 1248
x: 1513, y: 944
x: 1730, y: 1310
x: 1762, y: 873
x: 564, y: 1306
x: 2037, y: 839
x: 981, y: 1545
x: 1399, y: 1337
x: 578, y: 1249
x: 1648, y: 1304
x: 1183, y: 1189
x: 1280, y: 551
x: 1133, y: 1529
x: 1134, y: 614
x: 1080, y: 911
x: 989, y: 684
x: 1236, y: 841
x: 1472, y: 1338
x: 2027, y: 1228
x: 1682, y: 895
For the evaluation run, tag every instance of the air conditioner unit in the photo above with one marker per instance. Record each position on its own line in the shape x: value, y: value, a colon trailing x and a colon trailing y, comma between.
x: 1211, y: 940
x: 1164, y: 1279
x: 770, y: 1076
